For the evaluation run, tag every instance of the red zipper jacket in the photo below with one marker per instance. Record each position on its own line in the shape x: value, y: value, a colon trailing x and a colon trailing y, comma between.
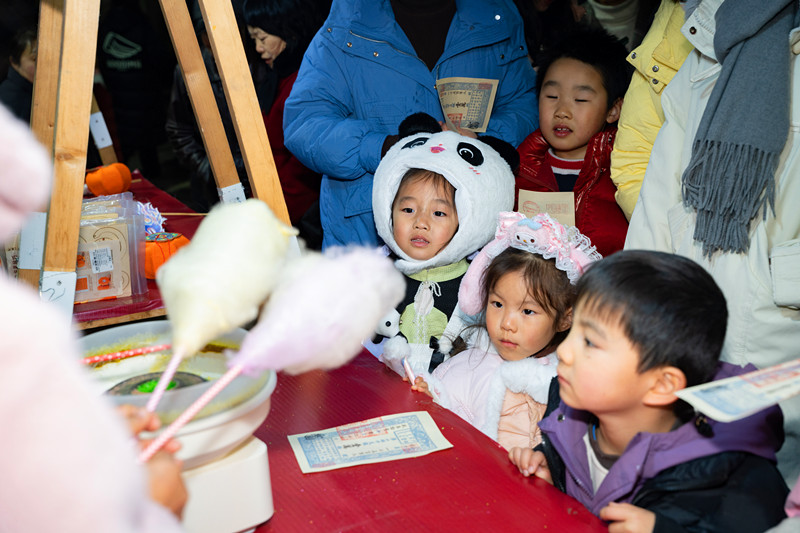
x: 597, y: 214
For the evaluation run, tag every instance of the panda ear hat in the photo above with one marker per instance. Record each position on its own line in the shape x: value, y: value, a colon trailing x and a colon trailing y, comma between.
x: 482, y: 177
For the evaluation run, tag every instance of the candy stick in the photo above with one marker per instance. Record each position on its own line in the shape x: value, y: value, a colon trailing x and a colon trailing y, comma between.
x: 104, y: 358
x: 190, y: 413
x: 163, y: 381
x: 410, y: 373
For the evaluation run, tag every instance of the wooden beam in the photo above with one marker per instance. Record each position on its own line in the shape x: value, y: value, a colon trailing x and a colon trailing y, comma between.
x: 71, y: 137
x: 101, y: 136
x: 43, y: 110
x: 48, y: 61
x: 187, y: 50
x: 243, y: 104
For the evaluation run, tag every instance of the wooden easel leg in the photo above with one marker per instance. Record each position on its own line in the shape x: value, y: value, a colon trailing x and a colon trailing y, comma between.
x: 71, y: 137
x: 43, y: 118
x: 187, y: 50
x: 101, y: 135
x: 243, y: 103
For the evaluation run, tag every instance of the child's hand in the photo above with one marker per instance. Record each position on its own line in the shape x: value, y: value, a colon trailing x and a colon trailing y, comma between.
x: 627, y: 518
x: 165, y: 481
x: 140, y: 419
x: 530, y: 462
x: 163, y: 469
x: 422, y: 386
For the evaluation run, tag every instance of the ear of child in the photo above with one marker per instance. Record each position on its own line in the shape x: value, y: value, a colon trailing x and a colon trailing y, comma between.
x: 566, y: 322
x: 613, y: 113
x: 667, y: 380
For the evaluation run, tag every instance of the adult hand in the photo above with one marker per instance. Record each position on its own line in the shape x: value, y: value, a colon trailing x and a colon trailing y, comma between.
x: 461, y: 131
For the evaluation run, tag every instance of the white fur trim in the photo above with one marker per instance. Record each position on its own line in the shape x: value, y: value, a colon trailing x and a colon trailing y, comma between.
x: 482, y: 191
x: 531, y: 376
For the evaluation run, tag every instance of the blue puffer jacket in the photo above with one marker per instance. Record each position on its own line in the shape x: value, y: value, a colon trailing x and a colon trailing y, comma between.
x: 360, y: 78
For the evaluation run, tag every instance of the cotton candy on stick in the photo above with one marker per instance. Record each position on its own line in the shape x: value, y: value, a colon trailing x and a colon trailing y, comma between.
x: 219, y: 280
x: 316, y: 318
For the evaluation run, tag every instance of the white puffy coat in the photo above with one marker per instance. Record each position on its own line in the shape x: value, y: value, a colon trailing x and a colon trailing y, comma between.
x: 762, y: 287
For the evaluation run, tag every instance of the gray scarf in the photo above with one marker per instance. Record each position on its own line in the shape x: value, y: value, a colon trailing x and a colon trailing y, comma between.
x: 731, y: 175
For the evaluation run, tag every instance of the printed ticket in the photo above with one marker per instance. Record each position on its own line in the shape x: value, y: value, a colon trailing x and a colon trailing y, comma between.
x: 467, y: 102
x: 559, y: 205
x: 733, y: 398
x: 375, y: 440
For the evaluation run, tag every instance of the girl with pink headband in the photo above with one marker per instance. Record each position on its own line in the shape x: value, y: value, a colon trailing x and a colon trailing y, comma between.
x: 522, y: 287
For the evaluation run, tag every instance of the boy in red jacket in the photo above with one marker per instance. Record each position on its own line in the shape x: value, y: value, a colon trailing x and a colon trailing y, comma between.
x: 581, y: 83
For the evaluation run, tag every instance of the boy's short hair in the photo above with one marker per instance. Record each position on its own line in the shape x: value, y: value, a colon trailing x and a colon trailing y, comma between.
x: 21, y: 40
x: 597, y: 48
x: 669, y: 307
x: 421, y: 174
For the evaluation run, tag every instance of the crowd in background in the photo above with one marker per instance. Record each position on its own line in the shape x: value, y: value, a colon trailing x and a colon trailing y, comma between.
x: 693, y: 153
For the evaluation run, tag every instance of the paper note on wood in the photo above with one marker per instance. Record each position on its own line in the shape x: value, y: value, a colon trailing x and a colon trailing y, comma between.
x: 467, y: 102
x: 375, y: 440
x: 559, y: 205
x: 103, y: 263
x: 740, y: 396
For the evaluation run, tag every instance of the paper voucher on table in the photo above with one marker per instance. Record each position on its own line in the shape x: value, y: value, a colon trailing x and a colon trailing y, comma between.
x: 467, y: 102
x: 375, y: 440
x: 740, y: 396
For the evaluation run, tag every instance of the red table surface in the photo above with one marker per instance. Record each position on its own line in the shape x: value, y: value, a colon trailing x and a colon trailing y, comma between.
x: 143, y: 191
x: 469, y: 487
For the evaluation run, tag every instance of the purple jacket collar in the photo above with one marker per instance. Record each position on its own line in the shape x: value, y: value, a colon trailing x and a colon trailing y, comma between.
x: 650, y: 453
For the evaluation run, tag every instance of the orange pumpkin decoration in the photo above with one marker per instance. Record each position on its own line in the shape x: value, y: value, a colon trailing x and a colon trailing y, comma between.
x: 110, y: 179
x: 158, y: 248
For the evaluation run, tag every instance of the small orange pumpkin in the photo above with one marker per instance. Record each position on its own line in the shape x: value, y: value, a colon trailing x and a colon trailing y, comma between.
x: 158, y: 248
x: 110, y: 179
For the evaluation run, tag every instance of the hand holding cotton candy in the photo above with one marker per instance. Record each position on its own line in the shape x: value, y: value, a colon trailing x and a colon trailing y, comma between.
x: 317, y: 317
x: 220, y: 279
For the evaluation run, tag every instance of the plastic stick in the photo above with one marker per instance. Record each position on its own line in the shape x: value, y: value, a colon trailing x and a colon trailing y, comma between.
x: 114, y: 356
x: 166, y: 377
x: 189, y: 413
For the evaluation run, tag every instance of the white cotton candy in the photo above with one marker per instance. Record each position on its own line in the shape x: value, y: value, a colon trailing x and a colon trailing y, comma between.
x: 321, y: 311
x: 220, y: 279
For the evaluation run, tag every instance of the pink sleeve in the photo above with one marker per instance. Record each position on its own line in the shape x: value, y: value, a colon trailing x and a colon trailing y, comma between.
x: 67, y: 460
x: 793, y: 501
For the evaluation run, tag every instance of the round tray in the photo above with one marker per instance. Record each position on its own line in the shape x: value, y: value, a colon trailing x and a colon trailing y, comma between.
x: 227, y: 421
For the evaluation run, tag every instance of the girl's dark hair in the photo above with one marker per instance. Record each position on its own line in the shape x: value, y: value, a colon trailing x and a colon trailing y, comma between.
x: 548, y: 285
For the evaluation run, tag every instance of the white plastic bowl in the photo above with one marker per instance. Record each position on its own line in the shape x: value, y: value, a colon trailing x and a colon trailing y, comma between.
x: 223, y: 425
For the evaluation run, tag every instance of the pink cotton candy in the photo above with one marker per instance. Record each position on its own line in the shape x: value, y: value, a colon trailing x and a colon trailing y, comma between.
x: 322, y: 310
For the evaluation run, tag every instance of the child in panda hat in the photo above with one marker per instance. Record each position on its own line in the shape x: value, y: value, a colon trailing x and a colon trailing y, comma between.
x: 436, y: 195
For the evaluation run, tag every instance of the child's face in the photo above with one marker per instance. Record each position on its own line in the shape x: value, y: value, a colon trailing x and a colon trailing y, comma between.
x: 424, y: 218
x: 518, y: 326
x: 573, y: 106
x: 598, y: 368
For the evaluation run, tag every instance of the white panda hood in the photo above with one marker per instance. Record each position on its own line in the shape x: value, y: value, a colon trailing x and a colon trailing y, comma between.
x: 483, y: 181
